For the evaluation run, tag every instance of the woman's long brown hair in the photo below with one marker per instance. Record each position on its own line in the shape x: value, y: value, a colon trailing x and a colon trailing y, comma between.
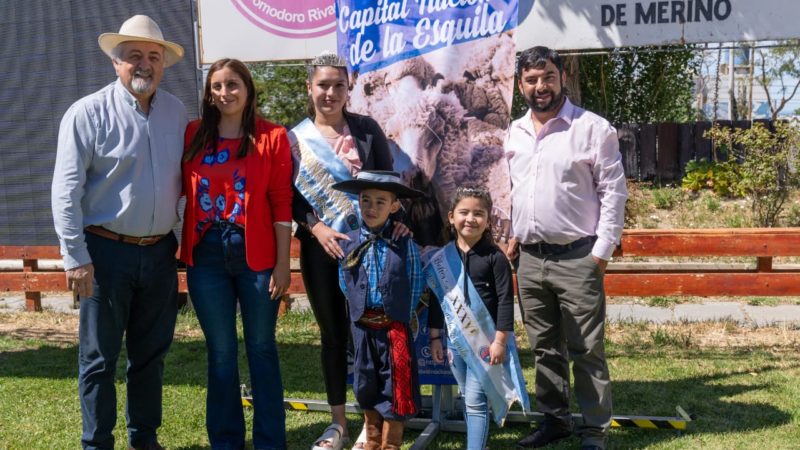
x: 208, y: 132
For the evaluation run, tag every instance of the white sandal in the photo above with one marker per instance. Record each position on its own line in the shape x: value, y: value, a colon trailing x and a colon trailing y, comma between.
x: 333, y: 435
x: 361, y: 440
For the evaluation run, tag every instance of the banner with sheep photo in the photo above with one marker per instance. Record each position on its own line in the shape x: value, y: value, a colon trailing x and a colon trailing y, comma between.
x: 438, y: 75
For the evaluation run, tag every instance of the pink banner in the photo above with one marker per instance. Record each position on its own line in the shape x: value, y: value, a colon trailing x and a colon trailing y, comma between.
x: 290, y: 18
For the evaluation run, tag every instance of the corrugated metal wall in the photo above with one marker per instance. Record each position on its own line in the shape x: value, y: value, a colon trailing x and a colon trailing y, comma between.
x: 49, y: 58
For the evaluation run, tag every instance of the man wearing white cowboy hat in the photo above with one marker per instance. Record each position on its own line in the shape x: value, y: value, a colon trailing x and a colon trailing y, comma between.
x: 114, y: 198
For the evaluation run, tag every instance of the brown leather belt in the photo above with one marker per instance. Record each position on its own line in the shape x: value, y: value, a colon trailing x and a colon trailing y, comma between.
x: 375, y: 319
x: 135, y: 240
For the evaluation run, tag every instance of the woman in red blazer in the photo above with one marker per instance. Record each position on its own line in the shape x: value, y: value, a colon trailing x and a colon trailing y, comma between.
x: 237, y: 171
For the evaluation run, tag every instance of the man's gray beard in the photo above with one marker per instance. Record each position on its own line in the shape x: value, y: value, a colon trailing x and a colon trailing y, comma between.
x: 141, y: 85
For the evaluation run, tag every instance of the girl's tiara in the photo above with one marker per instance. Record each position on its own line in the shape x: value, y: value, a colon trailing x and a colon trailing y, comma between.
x: 329, y: 59
x: 478, y: 191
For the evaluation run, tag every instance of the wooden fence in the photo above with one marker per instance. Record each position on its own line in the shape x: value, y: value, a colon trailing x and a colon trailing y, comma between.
x: 760, y: 245
x: 659, y: 152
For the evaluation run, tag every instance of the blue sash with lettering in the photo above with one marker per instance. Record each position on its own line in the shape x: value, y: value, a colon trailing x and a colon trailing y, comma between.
x: 317, y: 167
x: 471, y: 330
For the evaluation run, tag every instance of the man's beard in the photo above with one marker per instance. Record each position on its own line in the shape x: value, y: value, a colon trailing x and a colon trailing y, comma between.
x: 142, y: 82
x: 554, y: 103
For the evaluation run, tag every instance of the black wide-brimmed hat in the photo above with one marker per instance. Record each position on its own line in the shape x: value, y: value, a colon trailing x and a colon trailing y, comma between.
x: 384, y: 180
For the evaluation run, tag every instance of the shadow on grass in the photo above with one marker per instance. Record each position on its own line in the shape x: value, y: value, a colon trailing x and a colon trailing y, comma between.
x: 185, y: 365
x: 710, y: 384
x: 711, y: 398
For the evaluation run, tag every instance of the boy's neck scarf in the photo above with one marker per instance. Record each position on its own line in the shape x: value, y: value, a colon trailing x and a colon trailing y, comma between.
x: 353, y: 259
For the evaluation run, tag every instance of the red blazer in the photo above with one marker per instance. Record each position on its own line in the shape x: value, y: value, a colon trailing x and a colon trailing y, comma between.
x: 267, y: 194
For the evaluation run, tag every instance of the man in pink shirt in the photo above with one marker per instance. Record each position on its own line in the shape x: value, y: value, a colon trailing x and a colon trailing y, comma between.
x: 568, y: 200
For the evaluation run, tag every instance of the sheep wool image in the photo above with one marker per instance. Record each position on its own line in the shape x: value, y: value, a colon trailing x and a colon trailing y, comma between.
x: 445, y: 106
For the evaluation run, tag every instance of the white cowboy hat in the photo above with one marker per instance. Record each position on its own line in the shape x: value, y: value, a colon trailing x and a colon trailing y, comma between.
x: 144, y: 29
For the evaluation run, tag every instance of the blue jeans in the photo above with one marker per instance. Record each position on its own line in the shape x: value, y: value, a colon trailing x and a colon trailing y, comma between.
x: 135, y: 295
x: 218, y: 279
x: 475, y: 404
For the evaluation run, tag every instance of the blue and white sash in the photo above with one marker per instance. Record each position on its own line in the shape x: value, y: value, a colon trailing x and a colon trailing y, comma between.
x: 317, y: 168
x: 471, y: 330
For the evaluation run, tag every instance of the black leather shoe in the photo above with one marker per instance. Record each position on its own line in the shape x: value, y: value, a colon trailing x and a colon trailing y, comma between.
x: 546, y: 434
x: 591, y: 447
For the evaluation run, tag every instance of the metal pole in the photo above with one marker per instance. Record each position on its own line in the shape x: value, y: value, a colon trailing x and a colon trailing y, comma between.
x: 731, y: 85
x: 751, y: 62
x: 198, y: 67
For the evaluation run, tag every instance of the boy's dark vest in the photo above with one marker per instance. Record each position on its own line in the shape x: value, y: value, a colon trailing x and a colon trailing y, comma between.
x: 393, y: 283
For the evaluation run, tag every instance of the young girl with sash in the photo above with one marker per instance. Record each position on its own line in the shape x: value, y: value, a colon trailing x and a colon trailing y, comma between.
x: 330, y: 146
x: 472, y: 279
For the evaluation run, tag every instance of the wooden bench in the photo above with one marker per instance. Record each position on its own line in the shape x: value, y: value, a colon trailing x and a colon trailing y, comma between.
x: 33, y: 280
x: 622, y: 279
x: 760, y: 244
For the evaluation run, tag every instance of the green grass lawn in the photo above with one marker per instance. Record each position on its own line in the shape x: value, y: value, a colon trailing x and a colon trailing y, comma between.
x: 743, y: 398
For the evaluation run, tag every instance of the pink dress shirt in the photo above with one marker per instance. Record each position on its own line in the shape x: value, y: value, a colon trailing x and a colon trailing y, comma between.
x: 567, y: 180
x: 345, y: 148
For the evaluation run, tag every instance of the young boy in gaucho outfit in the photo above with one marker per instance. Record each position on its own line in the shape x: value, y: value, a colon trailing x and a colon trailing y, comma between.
x: 382, y: 280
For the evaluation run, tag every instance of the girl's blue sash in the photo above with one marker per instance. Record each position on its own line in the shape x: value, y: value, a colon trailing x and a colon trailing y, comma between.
x: 317, y: 167
x: 471, y: 331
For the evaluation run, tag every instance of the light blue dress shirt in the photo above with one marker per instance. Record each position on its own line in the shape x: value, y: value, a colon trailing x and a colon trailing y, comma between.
x: 117, y: 167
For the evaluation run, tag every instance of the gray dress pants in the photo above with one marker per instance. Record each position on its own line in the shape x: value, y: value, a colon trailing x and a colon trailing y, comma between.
x: 564, y: 308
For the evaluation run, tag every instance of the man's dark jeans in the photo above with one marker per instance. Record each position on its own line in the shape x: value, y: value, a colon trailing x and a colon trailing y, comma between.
x: 135, y: 295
